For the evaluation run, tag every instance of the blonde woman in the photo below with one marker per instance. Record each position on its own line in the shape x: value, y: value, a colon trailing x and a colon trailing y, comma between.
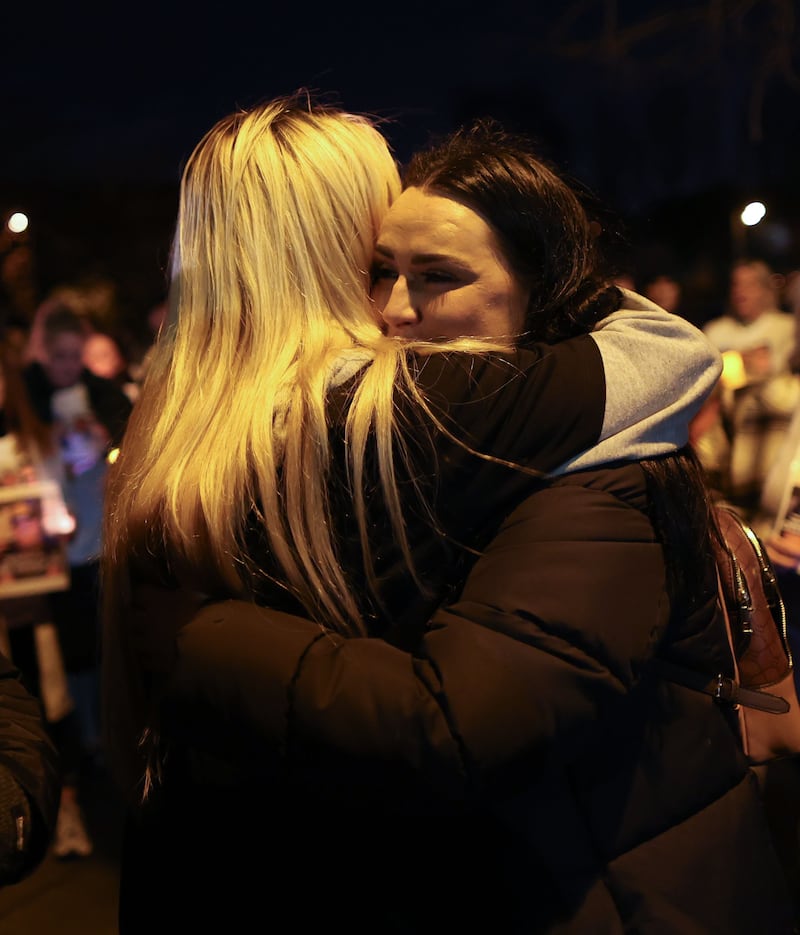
x: 280, y: 450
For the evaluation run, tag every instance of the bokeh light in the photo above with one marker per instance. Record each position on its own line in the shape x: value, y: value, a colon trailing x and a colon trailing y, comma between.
x: 753, y: 213
x: 17, y: 223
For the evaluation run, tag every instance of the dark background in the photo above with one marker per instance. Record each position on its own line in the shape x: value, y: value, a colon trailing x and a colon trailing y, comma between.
x: 674, y: 113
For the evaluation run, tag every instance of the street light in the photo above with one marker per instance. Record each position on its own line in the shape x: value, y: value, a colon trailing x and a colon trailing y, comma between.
x: 17, y: 223
x: 750, y: 215
x: 753, y: 213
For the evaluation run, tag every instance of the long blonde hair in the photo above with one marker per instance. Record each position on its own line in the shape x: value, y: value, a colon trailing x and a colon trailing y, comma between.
x: 279, y: 210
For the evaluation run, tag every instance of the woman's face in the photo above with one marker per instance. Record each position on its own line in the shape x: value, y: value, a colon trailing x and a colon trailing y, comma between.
x: 102, y: 356
x: 64, y: 359
x: 439, y: 273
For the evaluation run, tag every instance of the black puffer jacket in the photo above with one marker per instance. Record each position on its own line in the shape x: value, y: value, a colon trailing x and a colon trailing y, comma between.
x: 522, y: 769
x: 30, y: 779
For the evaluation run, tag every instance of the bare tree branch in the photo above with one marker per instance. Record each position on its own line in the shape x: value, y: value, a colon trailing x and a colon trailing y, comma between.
x: 762, y: 32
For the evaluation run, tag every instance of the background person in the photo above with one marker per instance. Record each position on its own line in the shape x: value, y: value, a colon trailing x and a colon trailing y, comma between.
x: 104, y: 356
x: 87, y: 416
x: 740, y: 435
x: 778, y: 497
x: 665, y: 290
x: 27, y: 634
x: 754, y: 324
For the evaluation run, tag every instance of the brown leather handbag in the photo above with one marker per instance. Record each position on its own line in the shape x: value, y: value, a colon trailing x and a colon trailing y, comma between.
x: 762, y: 689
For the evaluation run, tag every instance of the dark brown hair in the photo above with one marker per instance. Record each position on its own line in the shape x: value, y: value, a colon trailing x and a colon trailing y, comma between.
x: 547, y: 235
x: 550, y: 232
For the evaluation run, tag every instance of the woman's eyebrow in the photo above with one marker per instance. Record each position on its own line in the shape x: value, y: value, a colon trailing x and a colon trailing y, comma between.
x: 417, y: 257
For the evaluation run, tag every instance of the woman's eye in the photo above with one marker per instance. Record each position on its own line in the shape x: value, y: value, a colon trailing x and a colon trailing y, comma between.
x: 438, y: 276
x: 380, y: 271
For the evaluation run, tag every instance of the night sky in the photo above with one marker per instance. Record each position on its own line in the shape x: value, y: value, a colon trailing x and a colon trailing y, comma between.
x: 670, y: 120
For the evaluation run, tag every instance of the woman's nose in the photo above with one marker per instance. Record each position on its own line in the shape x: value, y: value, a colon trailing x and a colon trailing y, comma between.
x: 399, y: 309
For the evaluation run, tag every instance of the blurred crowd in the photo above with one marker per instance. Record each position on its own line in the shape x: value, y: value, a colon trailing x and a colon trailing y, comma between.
x: 747, y: 434
x: 69, y: 376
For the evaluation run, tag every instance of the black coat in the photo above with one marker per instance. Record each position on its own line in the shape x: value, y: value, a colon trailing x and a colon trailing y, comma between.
x: 514, y: 765
x: 523, y: 770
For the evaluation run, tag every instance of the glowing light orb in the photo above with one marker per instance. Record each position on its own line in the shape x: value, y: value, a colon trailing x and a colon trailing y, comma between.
x: 17, y: 223
x: 753, y: 213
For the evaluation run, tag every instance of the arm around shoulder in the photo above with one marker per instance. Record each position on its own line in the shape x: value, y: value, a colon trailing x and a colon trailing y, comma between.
x: 514, y: 674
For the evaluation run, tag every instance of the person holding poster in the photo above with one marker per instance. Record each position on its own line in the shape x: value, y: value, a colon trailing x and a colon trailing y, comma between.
x: 34, y: 528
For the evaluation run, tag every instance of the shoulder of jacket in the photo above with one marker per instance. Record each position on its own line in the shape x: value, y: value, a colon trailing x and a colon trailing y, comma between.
x: 624, y: 480
x: 603, y: 475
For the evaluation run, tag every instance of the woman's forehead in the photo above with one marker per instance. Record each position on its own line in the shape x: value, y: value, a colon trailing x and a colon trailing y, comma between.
x: 424, y: 222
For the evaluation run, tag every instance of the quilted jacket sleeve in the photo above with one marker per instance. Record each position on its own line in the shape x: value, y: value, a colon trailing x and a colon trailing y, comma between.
x: 554, y: 624
x: 534, y: 407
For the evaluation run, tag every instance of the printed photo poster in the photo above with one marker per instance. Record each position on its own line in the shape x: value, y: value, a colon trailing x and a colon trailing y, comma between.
x: 33, y: 557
